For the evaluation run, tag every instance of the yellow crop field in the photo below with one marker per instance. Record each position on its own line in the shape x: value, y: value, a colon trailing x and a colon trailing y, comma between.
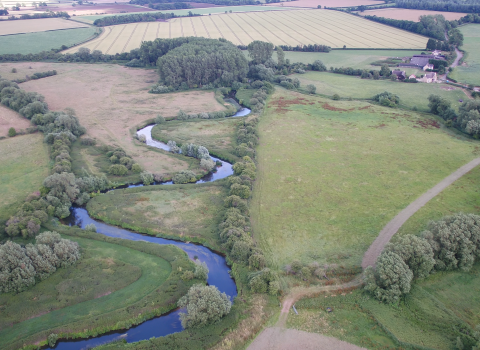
x: 37, y: 25
x: 294, y: 27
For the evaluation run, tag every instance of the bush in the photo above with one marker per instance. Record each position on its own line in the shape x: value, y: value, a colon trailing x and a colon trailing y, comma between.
x: 184, y: 176
x: 159, y: 119
x: 136, y: 168
x: 205, y: 305
x: 146, y: 177
x: 387, y: 99
x: 201, y: 271
x: 12, y: 132
x: 87, y: 141
x: 118, y: 170
x: 311, y: 89
x: 336, y: 97
x: 52, y: 339
x: 91, y: 228
x: 14, y: 70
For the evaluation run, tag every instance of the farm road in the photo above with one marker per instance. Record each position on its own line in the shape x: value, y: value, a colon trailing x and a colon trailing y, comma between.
x: 394, y: 225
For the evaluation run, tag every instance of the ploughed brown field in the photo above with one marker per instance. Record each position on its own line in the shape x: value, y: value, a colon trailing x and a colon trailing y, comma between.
x: 328, y: 3
x: 411, y: 15
x: 37, y: 25
x: 109, y: 100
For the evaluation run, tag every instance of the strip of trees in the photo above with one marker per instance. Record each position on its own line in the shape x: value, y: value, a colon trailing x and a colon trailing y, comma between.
x: 468, y: 6
x: 143, y: 17
x: 215, y: 2
x: 21, y: 267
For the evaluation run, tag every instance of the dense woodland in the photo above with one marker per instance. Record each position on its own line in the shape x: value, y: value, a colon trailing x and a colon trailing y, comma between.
x: 468, y: 6
x: 134, y: 18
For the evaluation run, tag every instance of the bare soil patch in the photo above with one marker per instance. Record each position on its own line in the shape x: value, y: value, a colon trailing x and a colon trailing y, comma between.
x: 37, y: 25
x: 110, y: 100
x: 9, y: 119
x: 410, y: 15
x: 329, y: 3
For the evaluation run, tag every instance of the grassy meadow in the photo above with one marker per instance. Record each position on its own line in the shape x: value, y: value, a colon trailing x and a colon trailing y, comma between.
x: 427, y: 318
x: 24, y: 165
x: 217, y: 135
x: 469, y: 71
x: 411, y: 95
x: 95, y: 292
x: 294, y: 27
x: 43, y: 41
x: 186, y: 212
x: 332, y: 174
x: 37, y: 25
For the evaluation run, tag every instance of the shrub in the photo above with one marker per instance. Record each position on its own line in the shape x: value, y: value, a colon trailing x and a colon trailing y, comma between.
x: 12, y: 132
x: 187, y: 276
x: 207, y: 164
x: 52, y: 339
x: 146, y: 177
x: 201, y: 271
x: 387, y: 99
x: 136, y: 168
x: 118, y: 170
x: 14, y: 70
x: 240, y: 190
x: 336, y: 97
x: 184, y: 176
x: 159, y: 119
x: 205, y: 305
x: 182, y: 115
x: 311, y: 89
x: 87, y: 141
x: 142, y: 138
x: 91, y: 228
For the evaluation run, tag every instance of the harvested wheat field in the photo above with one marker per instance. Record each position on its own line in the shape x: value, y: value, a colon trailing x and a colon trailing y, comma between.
x: 11, y: 119
x: 329, y: 3
x: 109, y: 100
x: 293, y: 27
x: 411, y: 15
x: 37, y: 25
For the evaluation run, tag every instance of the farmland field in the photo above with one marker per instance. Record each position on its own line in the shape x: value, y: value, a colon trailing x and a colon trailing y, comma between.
x: 411, y: 95
x: 187, y: 212
x: 11, y: 119
x: 37, y: 25
x: 345, y: 58
x: 114, y: 100
x: 43, y: 41
x: 469, y: 71
x: 24, y: 161
x: 330, y: 3
x: 410, y: 15
x: 332, y: 174
x: 296, y: 27
x: 201, y: 11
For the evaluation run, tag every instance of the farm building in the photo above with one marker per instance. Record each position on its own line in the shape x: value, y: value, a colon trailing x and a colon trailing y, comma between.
x: 413, y: 76
x: 429, y: 78
x: 401, y: 75
x: 421, y: 61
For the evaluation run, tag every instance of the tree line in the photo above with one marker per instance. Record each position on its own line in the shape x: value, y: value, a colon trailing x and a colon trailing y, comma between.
x: 468, y: 6
x: 37, y: 15
x: 170, y: 6
x: 215, y: 2
x: 134, y: 18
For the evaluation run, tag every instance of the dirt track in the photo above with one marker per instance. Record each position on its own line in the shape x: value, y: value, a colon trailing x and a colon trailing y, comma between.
x: 392, y: 227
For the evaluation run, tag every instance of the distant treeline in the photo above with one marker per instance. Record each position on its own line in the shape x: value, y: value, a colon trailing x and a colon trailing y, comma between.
x: 303, y: 48
x: 134, y: 18
x: 469, y: 6
x: 38, y: 15
x: 215, y: 2
x: 170, y: 6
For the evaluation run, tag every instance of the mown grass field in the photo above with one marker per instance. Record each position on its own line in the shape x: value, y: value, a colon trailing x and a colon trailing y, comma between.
x: 201, y: 11
x: 360, y: 59
x: 462, y: 196
x: 217, y: 135
x: 181, y: 211
x: 469, y: 71
x: 24, y: 165
x: 411, y: 95
x: 37, y: 25
x: 109, y: 278
x: 43, y: 41
x: 295, y: 27
x: 427, y: 317
x: 332, y: 174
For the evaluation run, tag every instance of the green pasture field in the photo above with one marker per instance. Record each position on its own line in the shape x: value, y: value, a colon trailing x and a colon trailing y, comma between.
x: 469, y: 72
x: 43, y: 41
x: 411, y: 95
x: 201, y: 11
x: 186, y: 212
x: 332, y: 174
x: 359, y: 59
x: 24, y: 165
x: 462, y: 196
x: 217, y: 135
x: 83, y: 310
x: 427, y: 317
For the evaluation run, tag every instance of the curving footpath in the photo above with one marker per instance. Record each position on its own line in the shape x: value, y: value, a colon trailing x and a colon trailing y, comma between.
x: 279, y: 337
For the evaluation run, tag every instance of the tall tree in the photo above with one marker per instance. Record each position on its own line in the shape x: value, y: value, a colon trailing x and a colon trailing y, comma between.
x: 260, y: 51
x: 280, y: 57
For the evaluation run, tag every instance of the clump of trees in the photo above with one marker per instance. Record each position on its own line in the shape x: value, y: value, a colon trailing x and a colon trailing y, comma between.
x: 247, y: 138
x: 471, y: 6
x: 205, y: 305
x: 202, y: 61
x: 21, y: 267
x: 387, y: 99
x: 195, y: 151
x: 448, y: 244
x: 184, y: 176
x: 466, y: 120
x: 134, y: 17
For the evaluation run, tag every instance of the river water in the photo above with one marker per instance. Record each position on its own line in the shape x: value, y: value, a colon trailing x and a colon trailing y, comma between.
x: 218, y: 276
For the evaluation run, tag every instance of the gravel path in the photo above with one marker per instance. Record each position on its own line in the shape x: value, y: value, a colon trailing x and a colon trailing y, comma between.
x: 392, y: 227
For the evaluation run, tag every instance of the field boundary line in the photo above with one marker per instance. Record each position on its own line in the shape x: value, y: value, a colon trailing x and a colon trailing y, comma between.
x: 394, y: 225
